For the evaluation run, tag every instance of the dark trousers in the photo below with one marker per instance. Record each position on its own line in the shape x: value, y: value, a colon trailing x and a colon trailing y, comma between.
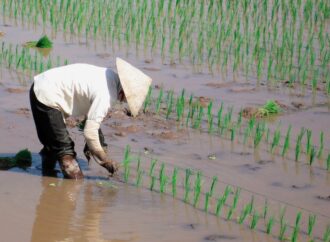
x: 52, y: 131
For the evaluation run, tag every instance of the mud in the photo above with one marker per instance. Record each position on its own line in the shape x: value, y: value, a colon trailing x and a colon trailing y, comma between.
x: 93, y: 211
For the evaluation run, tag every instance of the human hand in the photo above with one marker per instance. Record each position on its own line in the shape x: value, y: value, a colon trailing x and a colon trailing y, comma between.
x: 102, y: 159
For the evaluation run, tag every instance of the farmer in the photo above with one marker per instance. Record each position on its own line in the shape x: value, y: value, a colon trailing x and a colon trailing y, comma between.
x: 81, y: 90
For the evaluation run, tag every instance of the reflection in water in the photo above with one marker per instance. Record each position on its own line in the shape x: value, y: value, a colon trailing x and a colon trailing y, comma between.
x: 70, y: 211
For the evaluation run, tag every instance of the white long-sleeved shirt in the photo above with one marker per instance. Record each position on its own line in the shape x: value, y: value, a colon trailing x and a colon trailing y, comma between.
x: 77, y: 90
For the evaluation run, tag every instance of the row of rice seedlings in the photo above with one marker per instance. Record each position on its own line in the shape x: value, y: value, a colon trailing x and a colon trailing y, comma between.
x: 22, y: 59
x: 131, y: 17
x: 224, y: 122
x: 247, y: 210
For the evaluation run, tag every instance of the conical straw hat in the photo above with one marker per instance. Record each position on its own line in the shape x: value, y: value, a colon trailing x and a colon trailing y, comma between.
x: 135, y: 84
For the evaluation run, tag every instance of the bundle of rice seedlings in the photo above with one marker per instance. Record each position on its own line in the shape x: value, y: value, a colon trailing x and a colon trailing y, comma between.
x: 44, y: 42
x: 22, y: 159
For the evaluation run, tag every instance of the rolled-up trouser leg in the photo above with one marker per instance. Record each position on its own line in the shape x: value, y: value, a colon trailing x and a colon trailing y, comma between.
x: 51, y: 128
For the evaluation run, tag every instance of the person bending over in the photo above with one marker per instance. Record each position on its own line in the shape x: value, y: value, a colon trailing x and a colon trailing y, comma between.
x: 81, y: 90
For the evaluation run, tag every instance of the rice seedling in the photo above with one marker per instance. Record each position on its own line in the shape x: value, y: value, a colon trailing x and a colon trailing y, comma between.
x: 138, y: 165
x: 236, y: 197
x: 139, y: 178
x: 174, y: 181
x: 198, y: 121
x: 159, y: 100
x: 220, y: 203
x: 255, y: 219
x: 326, y: 235
x: 187, y: 185
x: 320, y: 152
x: 258, y: 134
x: 213, y: 184
x: 147, y: 100
x: 283, y: 228
x: 169, y: 104
x: 270, y: 225
x: 232, y: 133
x: 152, y: 183
x: 230, y: 213
x: 308, y: 141
x: 276, y: 140
x: 163, y: 183
x: 197, y: 188
x: 206, y: 203
x: 298, y: 144
x: 220, y: 115
x: 296, y: 228
x: 311, y: 223
x: 286, y: 145
x: 244, y: 213
x: 126, y: 163
x: 265, y: 210
x: 162, y: 178
x: 152, y: 167
x: 312, y: 155
x: 282, y: 214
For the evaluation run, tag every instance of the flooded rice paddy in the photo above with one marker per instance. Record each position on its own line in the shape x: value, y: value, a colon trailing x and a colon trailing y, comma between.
x: 277, y: 186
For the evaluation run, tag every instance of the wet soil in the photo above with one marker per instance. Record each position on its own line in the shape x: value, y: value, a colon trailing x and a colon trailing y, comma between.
x: 90, y: 210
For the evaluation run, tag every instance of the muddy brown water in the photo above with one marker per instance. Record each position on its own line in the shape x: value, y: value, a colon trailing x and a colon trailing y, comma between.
x: 61, y: 210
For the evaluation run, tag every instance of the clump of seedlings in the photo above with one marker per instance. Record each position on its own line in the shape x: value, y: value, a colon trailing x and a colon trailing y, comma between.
x: 271, y: 107
x: 43, y: 42
x: 22, y: 159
